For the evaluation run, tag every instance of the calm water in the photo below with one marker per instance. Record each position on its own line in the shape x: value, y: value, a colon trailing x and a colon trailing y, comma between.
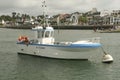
x: 24, y: 67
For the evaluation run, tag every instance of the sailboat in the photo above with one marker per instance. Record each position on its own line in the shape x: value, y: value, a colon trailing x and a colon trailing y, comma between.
x: 45, y: 45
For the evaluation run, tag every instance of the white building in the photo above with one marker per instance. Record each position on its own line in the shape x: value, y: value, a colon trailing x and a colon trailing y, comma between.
x: 115, y: 17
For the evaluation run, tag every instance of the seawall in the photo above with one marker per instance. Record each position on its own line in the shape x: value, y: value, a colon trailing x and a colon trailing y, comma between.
x: 83, y: 27
x: 86, y: 27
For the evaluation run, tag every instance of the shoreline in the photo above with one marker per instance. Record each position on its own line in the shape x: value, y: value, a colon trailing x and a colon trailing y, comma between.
x: 85, y: 27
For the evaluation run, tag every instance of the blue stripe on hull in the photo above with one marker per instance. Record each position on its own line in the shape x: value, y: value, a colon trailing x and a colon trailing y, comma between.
x: 95, y: 45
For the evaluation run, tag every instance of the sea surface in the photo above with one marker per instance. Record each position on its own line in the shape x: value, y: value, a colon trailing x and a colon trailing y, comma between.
x: 24, y: 67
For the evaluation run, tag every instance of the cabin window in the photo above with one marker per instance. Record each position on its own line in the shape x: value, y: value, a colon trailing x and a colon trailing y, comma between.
x: 40, y: 34
x: 47, y: 34
x: 52, y: 33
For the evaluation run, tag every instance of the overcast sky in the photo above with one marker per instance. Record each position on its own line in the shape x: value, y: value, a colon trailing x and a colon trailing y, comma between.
x: 33, y: 7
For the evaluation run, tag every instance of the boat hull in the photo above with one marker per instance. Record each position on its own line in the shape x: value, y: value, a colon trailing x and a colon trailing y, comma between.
x: 56, y: 52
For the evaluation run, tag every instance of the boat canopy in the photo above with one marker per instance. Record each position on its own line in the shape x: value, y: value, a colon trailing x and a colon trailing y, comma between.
x: 49, y: 29
x: 48, y: 32
x: 37, y: 28
x: 41, y: 32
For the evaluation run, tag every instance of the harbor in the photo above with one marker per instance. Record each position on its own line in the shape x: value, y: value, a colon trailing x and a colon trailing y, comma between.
x: 92, y: 19
x: 59, y: 40
x: 19, y: 67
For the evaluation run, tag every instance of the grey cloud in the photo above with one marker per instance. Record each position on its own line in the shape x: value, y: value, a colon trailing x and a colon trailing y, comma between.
x: 33, y: 7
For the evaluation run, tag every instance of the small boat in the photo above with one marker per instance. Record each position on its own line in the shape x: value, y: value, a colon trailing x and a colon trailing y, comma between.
x: 110, y: 31
x: 45, y: 45
x: 115, y: 29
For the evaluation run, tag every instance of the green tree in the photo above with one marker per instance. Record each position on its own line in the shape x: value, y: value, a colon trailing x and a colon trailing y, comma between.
x: 82, y: 19
x: 13, y: 14
x: 5, y: 17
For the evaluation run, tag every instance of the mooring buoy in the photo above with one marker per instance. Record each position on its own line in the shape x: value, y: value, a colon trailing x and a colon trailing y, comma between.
x: 107, y: 58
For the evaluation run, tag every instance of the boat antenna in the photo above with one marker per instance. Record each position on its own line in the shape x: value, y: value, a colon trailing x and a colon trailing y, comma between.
x: 44, y: 14
x: 58, y: 23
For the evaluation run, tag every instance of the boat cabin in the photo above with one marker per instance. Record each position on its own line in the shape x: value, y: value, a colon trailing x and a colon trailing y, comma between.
x: 44, y: 35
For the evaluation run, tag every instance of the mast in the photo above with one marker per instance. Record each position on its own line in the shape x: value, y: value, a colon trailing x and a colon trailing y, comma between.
x: 44, y: 13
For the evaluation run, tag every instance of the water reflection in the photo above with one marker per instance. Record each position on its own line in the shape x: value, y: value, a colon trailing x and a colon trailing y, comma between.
x: 51, y: 69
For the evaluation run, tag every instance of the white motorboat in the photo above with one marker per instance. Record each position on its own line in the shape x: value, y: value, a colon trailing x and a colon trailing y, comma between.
x: 45, y: 45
